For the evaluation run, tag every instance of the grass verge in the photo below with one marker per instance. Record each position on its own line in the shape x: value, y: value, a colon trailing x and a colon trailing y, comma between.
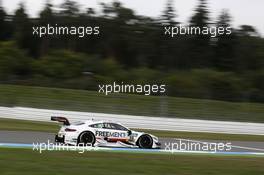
x: 27, y: 162
x: 81, y: 100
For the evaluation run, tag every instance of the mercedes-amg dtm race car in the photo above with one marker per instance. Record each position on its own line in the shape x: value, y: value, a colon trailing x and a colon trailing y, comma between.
x: 103, y: 134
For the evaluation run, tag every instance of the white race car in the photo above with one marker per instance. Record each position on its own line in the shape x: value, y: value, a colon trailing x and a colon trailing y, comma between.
x: 102, y: 133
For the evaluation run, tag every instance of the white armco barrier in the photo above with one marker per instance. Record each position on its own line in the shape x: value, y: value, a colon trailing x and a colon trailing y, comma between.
x: 142, y: 122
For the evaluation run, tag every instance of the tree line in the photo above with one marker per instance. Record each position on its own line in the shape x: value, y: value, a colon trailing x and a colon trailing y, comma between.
x: 133, y: 48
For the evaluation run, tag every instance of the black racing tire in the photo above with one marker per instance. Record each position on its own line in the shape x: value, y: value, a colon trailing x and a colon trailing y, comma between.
x: 145, y: 141
x: 86, y: 138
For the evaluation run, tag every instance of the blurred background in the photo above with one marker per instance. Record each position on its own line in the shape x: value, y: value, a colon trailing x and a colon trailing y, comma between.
x: 210, y: 78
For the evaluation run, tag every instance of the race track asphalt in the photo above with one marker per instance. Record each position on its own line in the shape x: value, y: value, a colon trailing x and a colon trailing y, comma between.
x: 28, y: 137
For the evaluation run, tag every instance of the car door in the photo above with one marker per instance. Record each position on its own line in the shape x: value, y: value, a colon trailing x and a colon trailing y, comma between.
x: 115, y: 132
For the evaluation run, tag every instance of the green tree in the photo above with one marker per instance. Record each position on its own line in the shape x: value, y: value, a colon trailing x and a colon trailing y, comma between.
x: 117, y: 11
x: 169, y: 14
x: 120, y: 26
x: 90, y: 12
x: 247, y: 52
x: 14, y: 63
x: 225, y: 44
x: 224, y: 19
x: 3, y: 23
x: 169, y: 48
x: 21, y: 22
x: 60, y: 65
x: 23, y: 31
x: 247, y: 30
x: 69, y: 8
x: 47, y: 15
x: 199, y: 46
x: 201, y: 16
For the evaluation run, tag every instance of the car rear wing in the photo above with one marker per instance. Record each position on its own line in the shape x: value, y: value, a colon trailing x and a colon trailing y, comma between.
x: 63, y: 120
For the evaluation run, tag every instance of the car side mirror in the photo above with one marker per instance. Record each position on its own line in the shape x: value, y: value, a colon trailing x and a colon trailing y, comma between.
x: 129, y: 132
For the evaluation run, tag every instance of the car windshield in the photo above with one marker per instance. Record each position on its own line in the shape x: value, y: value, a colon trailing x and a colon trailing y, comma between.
x: 98, y: 125
x: 115, y: 126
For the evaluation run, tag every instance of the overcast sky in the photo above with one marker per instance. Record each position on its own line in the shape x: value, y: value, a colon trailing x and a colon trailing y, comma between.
x: 249, y: 12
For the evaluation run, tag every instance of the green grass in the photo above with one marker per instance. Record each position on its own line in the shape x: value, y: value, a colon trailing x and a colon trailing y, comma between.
x: 81, y: 100
x: 23, y: 125
x: 27, y: 162
x: 20, y: 125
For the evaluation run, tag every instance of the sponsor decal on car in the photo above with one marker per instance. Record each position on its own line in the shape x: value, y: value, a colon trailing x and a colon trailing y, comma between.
x: 109, y: 134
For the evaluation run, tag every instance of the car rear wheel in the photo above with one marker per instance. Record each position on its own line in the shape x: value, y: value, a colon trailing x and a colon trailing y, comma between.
x: 145, y: 141
x: 86, y: 138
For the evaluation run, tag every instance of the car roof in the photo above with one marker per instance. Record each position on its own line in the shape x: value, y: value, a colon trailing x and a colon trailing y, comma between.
x: 93, y: 121
x: 97, y: 121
